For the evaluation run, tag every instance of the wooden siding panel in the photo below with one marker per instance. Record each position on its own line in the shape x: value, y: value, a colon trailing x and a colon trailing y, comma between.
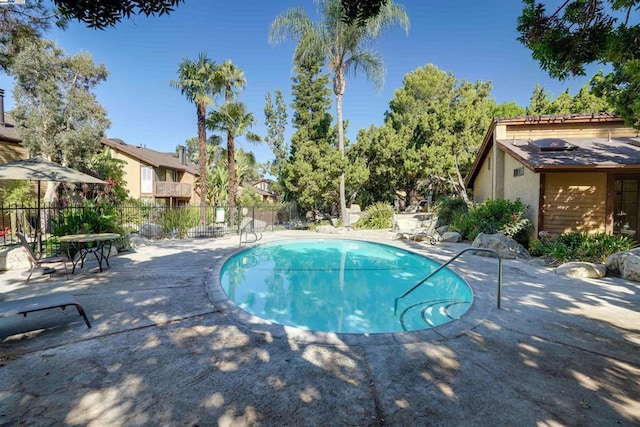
x: 565, y: 131
x: 575, y: 202
x: 11, y: 151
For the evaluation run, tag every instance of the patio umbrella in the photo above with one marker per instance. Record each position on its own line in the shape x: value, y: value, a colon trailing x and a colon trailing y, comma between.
x: 38, y: 169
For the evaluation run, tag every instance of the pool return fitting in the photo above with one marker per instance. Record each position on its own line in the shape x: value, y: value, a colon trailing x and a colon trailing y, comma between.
x: 491, y: 251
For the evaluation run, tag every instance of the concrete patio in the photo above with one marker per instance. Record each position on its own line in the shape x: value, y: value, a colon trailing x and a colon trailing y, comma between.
x: 168, y: 349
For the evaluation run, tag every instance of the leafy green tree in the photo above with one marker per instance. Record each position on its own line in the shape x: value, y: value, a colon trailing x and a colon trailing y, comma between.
x: 442, y: 121
x: 275, y: 113
x: 246, y: 167
x: 590, y: 100
x: 234, y: 120
x: 21, y: 25
x: 311, y: 173
x: 101, y: 14
x: 509, y: 109
x: 191, y: 148
x: 382, y: 151
x: 585, y: 101
x: 358, y: 11
x: 197, y: 81
x: 540, y: 101
x: 581, y: 32
x: 343, y: 47
x: 57, y: 115
x: 111, y: 170
x: 218, y: 174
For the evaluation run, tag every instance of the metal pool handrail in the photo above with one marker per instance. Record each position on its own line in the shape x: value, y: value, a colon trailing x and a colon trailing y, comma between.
x: 395, y: 305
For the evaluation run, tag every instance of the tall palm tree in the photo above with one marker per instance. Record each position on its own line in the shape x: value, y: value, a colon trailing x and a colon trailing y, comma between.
x: 234, y: 120
x: 343, y: 45
x: 230, y: 78
x: 197, y: 80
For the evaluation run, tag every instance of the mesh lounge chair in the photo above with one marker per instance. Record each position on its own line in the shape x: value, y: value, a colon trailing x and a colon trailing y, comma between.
x: 424, y: 232
x: 39, y: 261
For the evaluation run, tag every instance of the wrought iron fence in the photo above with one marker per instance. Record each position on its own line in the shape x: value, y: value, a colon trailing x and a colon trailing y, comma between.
x: 150, y: 221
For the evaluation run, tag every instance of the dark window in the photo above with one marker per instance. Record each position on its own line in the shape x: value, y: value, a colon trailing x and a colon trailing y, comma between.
x: 518, y: 171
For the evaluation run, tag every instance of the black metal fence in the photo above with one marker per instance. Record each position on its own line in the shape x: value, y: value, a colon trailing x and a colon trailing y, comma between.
x: 155, y: 222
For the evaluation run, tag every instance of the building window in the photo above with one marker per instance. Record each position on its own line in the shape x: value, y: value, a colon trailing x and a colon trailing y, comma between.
x: 518, y: 171
x: 489, y: 163
x: 146, y: 181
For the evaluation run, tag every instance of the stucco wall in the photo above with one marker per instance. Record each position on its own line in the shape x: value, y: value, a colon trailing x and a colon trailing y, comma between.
x: 575, y: 202
x: 188, y: 178
x: 483, y: 182
x: 131, y: 173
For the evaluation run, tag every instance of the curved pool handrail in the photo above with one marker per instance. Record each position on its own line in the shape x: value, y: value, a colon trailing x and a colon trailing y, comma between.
x: 395, y: 305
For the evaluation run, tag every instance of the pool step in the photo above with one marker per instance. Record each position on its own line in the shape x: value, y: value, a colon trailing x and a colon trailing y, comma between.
x: 428, y: 314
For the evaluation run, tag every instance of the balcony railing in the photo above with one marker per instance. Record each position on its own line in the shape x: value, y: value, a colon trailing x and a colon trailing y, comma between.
x: 171, y: 189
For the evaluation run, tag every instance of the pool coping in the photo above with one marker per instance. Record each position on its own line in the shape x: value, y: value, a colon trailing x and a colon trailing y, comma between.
x: 479, y: 310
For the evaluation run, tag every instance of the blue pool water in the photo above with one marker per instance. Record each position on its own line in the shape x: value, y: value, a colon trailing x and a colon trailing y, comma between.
x: 344, y: 286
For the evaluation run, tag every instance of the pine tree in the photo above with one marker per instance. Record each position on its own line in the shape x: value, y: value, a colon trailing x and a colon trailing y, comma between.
x: 311, y: 175
x: 275, y: 113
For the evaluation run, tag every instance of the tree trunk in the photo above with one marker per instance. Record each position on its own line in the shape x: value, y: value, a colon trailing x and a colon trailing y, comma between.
x: 461, y: 187
x: 231, y: 168
x: 202, y: 154
x: 338, y: 88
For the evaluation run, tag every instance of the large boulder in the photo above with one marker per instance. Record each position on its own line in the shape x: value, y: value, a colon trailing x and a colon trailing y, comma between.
x: 443, y: 229
x: 151, y: 230
x: 626, y: 264
x: 506, y: 247
x: 14, y: 259
x: 584, y: 270
x: 451, y: 236
x: 330, y: 229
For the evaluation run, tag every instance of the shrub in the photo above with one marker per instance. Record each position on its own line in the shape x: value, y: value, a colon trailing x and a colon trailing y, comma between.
x: 90, y: 218
x: 494, y: 216
x: 448, y: 208
x: 377, y: 216
x: 574, y: 246
x: 179, y: 220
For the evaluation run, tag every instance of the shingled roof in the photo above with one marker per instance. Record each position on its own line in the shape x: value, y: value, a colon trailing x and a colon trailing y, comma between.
x: 588, y: 153
x: 151, y: 157
x: 582, y: 153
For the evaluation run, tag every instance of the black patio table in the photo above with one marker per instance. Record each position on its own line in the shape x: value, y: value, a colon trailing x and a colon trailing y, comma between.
x: 84, y: 244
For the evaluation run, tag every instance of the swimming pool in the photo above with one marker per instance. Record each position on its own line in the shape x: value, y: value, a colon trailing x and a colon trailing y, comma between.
x: 344, y: 286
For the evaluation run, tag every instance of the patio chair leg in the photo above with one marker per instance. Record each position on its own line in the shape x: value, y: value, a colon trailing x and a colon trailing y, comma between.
x: 30, y: 273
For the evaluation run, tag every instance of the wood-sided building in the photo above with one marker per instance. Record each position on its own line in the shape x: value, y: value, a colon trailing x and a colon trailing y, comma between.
x: 578, y: 172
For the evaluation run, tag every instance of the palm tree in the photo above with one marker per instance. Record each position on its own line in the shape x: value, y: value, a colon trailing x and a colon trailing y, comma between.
x: 234, y: 120
x: 229, y: 78
x: 342, y: 45
x: 197, y: 81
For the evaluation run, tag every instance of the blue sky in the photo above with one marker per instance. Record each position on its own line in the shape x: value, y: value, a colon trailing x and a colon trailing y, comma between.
x: 473, y: 40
